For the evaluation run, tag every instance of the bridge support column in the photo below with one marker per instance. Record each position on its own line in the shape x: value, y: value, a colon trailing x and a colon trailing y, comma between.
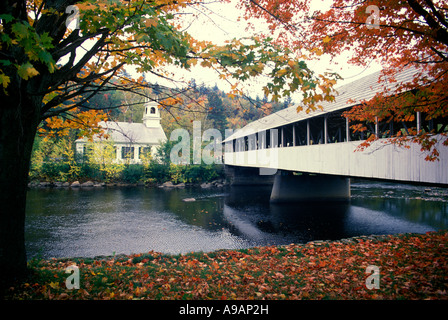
x: 295, y: 188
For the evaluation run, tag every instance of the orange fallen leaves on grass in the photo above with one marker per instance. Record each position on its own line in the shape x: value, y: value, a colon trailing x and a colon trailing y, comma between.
x: 411, y: 267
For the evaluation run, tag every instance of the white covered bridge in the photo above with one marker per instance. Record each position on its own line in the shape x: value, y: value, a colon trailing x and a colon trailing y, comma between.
x: 293, y: 144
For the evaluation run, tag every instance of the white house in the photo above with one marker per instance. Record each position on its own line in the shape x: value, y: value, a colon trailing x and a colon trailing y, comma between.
x: 132, y: 139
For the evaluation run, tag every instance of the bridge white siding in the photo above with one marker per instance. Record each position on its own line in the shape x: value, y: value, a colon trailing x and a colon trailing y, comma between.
x: 379, y: 161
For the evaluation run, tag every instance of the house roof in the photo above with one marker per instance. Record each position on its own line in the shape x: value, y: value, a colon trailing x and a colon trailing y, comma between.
x: 135, y: 133
x: 348, y: 95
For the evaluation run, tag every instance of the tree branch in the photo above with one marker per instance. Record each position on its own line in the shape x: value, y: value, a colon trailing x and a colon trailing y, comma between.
x: 440, y: 33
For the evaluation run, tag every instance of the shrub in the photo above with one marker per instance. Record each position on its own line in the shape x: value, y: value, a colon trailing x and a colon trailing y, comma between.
x: 157, y: 172
x: 177, y: 173
x: 91, y: 171
x: 133, y: 173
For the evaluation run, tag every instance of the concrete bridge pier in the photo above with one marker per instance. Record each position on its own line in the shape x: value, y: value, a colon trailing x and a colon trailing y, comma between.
x: 289, y: 188
x: 247, y: 176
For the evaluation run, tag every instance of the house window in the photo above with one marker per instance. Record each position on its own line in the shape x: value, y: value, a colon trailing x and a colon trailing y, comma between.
x: 127, y: 153
x: 144, y: 151
x: 153, y: 110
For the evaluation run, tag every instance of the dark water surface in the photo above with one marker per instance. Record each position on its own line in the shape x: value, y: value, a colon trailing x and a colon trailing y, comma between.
x: 104, y: 221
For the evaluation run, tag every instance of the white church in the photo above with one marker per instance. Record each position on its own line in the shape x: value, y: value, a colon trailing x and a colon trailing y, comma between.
x: 132, y: 139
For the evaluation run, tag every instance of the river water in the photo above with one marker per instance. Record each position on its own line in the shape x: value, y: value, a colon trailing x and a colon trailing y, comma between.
x: 106, y: 221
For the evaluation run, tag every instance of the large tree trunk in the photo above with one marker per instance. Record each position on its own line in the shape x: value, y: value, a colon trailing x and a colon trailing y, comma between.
x: 18, y: 124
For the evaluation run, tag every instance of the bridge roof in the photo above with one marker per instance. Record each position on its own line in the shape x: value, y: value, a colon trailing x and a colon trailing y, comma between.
x: 348, y: 96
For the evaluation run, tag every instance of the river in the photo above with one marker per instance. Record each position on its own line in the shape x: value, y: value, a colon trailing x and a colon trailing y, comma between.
x: 105, y: 221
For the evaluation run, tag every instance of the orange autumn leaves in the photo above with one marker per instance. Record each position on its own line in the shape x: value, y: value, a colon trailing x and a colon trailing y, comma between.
x: 411, y: 267
x: 285, y: 70
x: 406, y: 36
x: 151, y: 40
x: 85, y: 122
x: 407, y: 33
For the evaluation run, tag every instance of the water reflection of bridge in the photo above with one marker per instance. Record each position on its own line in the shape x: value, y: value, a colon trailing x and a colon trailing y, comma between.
x: 255, y: 218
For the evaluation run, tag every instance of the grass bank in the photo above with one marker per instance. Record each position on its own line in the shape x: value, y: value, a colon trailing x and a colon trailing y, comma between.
x: 411, y: 266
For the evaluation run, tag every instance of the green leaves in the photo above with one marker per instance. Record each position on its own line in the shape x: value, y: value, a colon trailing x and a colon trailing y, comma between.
x: 34, y: 47
x: 27, y: 71
x: 4, y: 80
x: 243, y: 59
x: 6, y: 18
x: 142, y: 34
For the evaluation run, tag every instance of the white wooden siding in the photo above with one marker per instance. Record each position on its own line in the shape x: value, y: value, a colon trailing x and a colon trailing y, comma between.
x: 380, y: 161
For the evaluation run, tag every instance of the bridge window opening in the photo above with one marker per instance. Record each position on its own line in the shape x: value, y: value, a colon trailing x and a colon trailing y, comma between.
x: 359, y: 131
x: 280, y: 138
x: 386, y: 129
x: 276, y: 137
x: 238, y: 144
x: 257, y: 142
x: 300, y: 131
x: 427, y: 124
x: 390, y: 128
x: 276, y: 142
x: 268, y: 139
x: 288, y: 137
x: 406, y: 126
x: 336, y: 127
x: 435, y: 125
x: 241, y: 144
x: 317, y: 130
x: 272, y: 138
x: 262, y: 140
x: 251, y: 142
x: 371, y: 128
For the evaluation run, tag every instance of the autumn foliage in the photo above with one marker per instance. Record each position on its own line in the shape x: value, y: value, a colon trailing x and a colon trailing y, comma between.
x: 411, y: 266
x: 51, y: 66
x: 395, y: 34
x: 49, y: 71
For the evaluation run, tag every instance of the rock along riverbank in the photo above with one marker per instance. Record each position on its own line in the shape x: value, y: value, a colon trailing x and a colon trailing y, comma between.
x: 95, y: 184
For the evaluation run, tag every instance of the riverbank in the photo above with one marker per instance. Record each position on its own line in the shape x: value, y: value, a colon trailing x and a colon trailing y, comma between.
x: 410, y: 266
x: 60, y: 175
x: 98, y: 184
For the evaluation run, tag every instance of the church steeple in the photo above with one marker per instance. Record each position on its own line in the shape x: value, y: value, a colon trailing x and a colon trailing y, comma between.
x: 151, y: 114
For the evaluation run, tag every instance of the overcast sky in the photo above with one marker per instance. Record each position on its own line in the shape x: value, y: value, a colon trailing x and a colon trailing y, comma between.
x: 220, y: 22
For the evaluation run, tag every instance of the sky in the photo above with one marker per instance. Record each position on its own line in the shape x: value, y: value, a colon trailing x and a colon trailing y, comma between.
x: 219, y: 22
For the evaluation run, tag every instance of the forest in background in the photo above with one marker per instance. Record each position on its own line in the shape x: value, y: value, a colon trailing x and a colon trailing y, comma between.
x: 210, y: 105
x: 54, y: 158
